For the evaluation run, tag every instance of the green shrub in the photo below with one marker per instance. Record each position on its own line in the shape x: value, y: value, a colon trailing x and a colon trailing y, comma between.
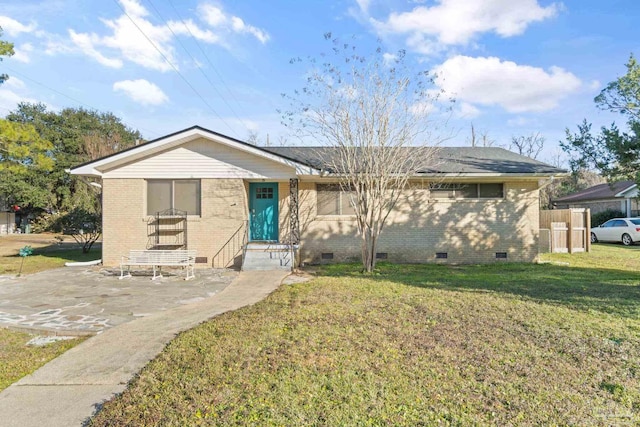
x: 601, y: 217
x: 47, y: 222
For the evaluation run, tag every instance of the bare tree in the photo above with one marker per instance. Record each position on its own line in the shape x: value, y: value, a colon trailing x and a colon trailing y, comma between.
x: 373, y: 119
x: 253, y: 138
x: 528, y: 145
x: 481, y: 138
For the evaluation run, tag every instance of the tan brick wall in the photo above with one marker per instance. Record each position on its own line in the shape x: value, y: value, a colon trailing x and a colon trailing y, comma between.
x: 470, y: 231
x: 223, y: 211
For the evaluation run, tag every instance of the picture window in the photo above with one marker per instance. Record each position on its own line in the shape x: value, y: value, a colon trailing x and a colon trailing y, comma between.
x: 180, y: 194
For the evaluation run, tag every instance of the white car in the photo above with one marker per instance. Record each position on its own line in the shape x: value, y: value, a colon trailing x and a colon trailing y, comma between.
x: 625, y: 230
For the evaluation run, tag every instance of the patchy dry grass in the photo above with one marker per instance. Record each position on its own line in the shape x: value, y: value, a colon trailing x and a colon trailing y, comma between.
x: 17, y: 359
x: 49, y: 251
x: 506, y: 344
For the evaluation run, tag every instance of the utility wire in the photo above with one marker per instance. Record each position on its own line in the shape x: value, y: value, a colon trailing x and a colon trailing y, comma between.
x: 204, y: 53
x: 12, y: 71
x: 175, y: 68
x: 196, y: 62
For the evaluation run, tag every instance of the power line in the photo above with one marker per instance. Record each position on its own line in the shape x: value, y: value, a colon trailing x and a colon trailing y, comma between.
x: 213, y: 67
x: 196, y: 62
x: 175, y: 68
x: 12, y: 71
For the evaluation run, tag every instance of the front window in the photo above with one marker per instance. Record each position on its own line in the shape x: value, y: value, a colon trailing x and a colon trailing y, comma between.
x: 467, y: 191
x: 181, y: 194
x: 333, y: 200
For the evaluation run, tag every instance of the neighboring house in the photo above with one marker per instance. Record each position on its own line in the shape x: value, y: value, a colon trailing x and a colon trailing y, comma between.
x: 480, y: 205
x: 620, y: 196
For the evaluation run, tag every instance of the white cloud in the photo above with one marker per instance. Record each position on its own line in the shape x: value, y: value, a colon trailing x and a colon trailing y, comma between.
x: 146, y: 44
x: 212, y: 15
x: 22, y: 52
x: 516, y: 88
x: 14, y: 83
x: 389, y: 58
x: 520, y: 122
x: 364, y: 5
x: 458, y: 22
x: 86, y: 44
x: 467, y: 111
x: 188, y: 27
x: 14, y: 28
x: 141, y: 91
x: 217, y: 18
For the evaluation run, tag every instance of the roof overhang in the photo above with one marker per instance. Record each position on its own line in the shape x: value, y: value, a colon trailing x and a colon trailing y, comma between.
x: 629, y: 192
x: 97, y: 168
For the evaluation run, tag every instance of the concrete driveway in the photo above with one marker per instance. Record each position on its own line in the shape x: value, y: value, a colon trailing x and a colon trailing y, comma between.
x: 88, y: 300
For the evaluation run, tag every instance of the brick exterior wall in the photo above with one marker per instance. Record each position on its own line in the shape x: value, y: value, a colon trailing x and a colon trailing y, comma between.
x: 223, y: 210
x: 469, y: 231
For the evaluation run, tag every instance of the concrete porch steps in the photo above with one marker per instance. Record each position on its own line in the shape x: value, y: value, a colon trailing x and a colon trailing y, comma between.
x: 267, y: 256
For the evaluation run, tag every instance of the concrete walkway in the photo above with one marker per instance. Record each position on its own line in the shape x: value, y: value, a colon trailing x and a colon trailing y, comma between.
x: 69, y: 389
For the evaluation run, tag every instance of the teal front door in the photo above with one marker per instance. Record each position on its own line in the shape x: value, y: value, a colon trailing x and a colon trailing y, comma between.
x: 263, y: 211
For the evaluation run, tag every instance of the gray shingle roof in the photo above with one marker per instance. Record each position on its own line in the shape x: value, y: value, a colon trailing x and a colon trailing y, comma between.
x: 597, y: 192
x: 489, y: 160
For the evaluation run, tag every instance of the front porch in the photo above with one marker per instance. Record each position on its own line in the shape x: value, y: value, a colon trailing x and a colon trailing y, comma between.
x: 269, y: 239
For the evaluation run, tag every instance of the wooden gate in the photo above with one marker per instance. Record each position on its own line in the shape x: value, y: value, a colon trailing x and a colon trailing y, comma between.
x: 568, y: 230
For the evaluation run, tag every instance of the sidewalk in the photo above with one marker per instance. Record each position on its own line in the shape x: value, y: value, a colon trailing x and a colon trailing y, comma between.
x: 69, y: 389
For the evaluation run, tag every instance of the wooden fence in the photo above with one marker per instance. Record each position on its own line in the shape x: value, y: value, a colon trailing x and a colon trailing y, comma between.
x: 565, y: 230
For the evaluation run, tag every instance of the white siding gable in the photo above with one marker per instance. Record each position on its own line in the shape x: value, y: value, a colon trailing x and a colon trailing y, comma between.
x: 203, y: 158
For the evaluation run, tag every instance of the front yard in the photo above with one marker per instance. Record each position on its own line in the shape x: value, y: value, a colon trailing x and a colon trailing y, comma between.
x: 49, y: 251
x: 506, y: 344
x: 18, y: 359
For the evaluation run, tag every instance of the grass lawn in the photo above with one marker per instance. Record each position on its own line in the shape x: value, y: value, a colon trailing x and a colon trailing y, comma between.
x: 17, y: 359
x: 48, y: 252
x: 504, y: 344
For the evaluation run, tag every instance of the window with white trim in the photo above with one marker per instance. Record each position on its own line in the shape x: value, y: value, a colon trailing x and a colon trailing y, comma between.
x: 467, y: 191
x: 181, y: 194
x: 333, y: 200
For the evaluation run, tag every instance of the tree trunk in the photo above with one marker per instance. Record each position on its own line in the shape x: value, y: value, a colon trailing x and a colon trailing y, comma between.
x: 369, y: 243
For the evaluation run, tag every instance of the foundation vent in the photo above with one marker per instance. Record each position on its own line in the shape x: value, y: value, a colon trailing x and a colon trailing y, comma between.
x: 442, y: 255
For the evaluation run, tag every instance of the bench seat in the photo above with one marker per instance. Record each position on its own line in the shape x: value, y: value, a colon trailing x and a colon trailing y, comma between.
x: 157, y: 259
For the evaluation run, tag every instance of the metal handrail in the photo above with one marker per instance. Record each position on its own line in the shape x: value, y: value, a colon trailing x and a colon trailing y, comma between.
x: 230, y: 249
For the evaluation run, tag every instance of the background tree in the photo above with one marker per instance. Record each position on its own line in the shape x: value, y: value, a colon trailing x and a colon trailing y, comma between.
x: 372, y: 114
x: 6, y: 49
x: 623, y: 94
x: 25, y: 162
x: 528, y: 145
x: 480, y: 138
x: 84, y: 226
x: 77, y: 135
x: 613, y: 152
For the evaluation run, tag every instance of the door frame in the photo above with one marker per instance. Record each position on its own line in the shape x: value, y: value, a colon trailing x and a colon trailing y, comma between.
x: 275, y: 204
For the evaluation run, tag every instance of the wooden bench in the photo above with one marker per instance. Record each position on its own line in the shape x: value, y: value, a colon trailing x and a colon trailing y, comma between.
x: 157, y: 259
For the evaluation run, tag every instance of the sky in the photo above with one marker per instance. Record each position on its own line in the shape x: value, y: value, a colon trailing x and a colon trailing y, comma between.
x: 514, y: 67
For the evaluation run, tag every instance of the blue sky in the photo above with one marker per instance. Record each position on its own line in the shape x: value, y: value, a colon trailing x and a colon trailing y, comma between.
x: 514, y: 66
